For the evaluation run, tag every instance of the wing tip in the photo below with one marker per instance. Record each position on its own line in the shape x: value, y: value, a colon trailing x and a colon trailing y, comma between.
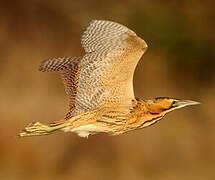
x: 42, y: 65
x: 57, y: 64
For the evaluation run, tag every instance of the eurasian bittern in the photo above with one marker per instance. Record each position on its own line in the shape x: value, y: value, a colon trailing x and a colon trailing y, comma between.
x: 100, y: 85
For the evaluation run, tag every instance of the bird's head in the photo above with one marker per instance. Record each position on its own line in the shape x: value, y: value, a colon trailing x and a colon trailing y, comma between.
x: 163, y: 105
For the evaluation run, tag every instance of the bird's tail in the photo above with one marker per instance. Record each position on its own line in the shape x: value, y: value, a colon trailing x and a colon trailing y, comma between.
x: 39, y: 129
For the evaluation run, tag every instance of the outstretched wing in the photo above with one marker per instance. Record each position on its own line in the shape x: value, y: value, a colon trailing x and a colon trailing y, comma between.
x: 104, y: 75
x: 107, y: 68
x: 69, y: 69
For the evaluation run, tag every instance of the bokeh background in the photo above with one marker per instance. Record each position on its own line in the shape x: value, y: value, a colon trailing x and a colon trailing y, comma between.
x: 180, y: 62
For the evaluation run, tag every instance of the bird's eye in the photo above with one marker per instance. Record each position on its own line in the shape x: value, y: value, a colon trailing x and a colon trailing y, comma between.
x: 173, y: 103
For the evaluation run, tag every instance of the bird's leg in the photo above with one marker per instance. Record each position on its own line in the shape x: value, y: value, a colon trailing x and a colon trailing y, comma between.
x: 38, y: 129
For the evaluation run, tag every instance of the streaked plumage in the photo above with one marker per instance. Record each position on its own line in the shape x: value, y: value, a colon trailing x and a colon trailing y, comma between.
x: 100, y: 85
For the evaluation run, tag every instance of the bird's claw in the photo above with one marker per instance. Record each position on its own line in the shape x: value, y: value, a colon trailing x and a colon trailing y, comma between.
x: 35, y: 129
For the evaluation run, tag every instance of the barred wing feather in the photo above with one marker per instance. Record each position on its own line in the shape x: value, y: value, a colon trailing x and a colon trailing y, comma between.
x: 104, y: 75
x: 107, y: 68
x: 69, y: 69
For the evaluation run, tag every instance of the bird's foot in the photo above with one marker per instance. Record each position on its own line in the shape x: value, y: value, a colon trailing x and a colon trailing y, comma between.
x: 36, y: 129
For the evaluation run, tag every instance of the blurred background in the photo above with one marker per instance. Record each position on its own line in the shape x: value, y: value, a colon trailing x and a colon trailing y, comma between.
x: 180, y: 63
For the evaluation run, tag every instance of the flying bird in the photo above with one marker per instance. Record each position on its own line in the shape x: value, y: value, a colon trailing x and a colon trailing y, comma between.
x: 99, y: 85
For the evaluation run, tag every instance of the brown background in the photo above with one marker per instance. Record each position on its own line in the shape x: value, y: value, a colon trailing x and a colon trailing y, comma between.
x: 180, y: 62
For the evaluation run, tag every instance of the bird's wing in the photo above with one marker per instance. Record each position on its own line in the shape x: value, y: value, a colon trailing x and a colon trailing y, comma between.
x: 107, y: 68
x: 69, y: 69
x: 104, y: 75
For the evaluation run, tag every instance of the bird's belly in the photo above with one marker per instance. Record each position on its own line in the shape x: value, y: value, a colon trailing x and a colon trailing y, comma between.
x: 86, y: 130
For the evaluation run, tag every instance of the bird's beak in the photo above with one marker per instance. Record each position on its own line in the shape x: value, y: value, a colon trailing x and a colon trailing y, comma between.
x: 183, y: 103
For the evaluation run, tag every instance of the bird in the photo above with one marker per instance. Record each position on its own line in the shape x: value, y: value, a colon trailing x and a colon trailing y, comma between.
x: 99, y: 86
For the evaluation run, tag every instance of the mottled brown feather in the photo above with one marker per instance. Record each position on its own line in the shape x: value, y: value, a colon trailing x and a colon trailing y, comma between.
x: 69, y: 69
x: 107, y: 68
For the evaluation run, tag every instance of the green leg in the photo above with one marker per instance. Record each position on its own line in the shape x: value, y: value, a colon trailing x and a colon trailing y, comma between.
x: 38, y: 129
